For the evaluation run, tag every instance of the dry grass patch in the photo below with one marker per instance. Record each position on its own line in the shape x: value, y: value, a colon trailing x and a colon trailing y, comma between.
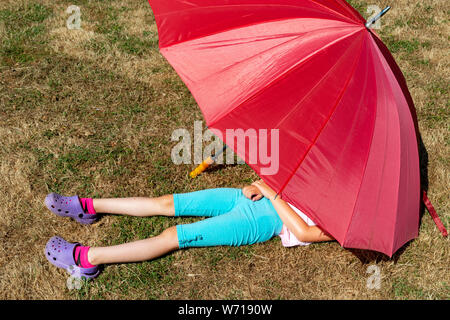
x: 108, y: 52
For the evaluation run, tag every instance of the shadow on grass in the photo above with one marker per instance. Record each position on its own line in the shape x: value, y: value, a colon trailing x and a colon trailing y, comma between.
x: 370, y: 257
x: 218, y: 167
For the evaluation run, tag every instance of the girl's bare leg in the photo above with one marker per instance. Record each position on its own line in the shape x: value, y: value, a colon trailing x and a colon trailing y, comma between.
x: 140, y: 250
x: 136, y: 206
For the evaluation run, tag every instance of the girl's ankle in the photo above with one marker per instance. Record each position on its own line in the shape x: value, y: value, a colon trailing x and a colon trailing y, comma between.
x: 81, y: 257
x: 88, y: 205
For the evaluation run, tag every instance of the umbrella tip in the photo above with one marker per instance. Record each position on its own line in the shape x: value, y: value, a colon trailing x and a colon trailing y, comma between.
x: 377, y: 17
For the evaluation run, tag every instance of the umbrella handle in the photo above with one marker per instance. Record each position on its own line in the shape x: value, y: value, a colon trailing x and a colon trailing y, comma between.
x: 205, y: 164
x: 202, y: 167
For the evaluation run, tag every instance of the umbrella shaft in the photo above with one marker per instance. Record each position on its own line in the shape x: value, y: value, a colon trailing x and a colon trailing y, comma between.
x: 214, y: 157
x: 378, y: 16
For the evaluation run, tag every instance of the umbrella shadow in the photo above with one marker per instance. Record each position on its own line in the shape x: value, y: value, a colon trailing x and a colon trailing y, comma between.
x: 368, y: 256
x: 423, y: 162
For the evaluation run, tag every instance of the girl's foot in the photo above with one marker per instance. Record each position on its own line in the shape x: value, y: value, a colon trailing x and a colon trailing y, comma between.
x: 72, y: 207
x: 68, y: 256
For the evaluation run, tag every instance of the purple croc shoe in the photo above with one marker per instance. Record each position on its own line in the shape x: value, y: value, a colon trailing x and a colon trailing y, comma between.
x: 60, y: 253
x: 69, y: 207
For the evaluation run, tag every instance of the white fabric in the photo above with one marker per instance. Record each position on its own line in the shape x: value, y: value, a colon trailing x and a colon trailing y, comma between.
x: 287, y: 237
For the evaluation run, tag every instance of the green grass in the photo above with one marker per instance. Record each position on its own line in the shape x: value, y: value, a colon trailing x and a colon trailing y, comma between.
x: 116, y: 35
x: 25, y: 33
x: 404, y: 290
x: 407, y: 46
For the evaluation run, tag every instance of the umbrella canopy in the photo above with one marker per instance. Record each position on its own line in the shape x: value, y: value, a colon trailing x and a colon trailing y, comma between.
x: 348, y: 152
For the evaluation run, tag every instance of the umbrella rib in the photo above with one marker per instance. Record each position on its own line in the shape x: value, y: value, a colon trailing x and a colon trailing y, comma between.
x: 346, y: 19
x: 381, y: 58
x: 346, y: 6
x: 359, y: 188
x: 379, y: 191
x: 325, y: 123
x: 284, y: 74
x: 329, y: 9
x: 293, y: 38
x: 295, y: 108
x: 382, y: 170
x: 257, y: 54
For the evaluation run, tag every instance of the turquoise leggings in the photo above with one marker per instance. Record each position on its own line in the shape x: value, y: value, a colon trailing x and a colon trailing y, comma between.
x: 233, y: 219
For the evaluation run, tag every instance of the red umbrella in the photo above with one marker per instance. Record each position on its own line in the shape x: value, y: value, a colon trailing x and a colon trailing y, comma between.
x: 348, y: 151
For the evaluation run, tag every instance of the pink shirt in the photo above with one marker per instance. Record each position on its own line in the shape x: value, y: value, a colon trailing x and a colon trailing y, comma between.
x: 287, y: 237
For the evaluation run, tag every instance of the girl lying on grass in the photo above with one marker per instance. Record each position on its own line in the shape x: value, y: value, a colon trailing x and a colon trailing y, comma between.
x: 237, y: 217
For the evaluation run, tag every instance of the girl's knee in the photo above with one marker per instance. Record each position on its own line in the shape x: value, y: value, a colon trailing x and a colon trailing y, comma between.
x: 170, y: 235
x: 167, y: 204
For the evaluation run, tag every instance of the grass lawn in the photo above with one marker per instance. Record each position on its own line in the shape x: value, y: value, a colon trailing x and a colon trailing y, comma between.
x: 91, y: 112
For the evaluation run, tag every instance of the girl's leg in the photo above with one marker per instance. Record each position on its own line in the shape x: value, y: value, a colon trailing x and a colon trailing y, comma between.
x: 211, y: 202
x: 208, y: 203
x: 136, y: 251
x: 136, y: 206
